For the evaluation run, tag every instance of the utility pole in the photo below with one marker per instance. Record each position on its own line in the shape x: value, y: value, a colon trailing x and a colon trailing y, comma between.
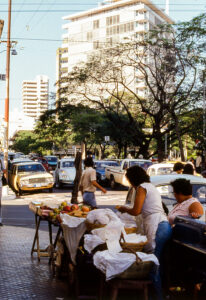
x: 6, y: 145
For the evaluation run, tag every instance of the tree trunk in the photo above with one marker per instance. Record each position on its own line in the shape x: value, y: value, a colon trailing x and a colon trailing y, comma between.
x: 160, y: 147
x: 125, y: 151
x: 78, y: 166
x: 179, y: 138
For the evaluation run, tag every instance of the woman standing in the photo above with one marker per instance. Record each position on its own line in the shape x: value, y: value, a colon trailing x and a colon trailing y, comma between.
x: 2, y: 172
x: 148, y: 202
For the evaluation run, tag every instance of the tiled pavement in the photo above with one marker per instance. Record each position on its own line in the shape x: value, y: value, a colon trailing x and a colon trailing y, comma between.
x: 21, y: 276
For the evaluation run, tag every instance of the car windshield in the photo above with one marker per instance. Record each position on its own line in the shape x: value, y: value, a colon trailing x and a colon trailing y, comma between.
x: 68, y: 164
x: 164, y: 170
x: 105, y: 164
x: 31, y: 168
x: 144, y: 164
x: 51, y: 159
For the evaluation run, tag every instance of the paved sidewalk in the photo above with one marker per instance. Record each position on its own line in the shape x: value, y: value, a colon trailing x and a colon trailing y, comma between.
x: 21, y: 276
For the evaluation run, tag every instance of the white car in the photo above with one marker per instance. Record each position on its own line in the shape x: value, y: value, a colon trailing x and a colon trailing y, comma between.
x: 65, y: 172
x: 162, y: 182
x: 160, y: 169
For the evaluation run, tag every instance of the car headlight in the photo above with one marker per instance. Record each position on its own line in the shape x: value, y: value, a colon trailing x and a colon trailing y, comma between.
x: 49, y: 180
x: 24, y: 182
x: 103, y: 177
x: 62, y: 172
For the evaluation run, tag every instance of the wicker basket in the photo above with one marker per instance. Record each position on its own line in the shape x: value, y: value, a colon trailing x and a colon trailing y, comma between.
x: 131, y: 247
x: 130, y: 230
x: 91, y: 226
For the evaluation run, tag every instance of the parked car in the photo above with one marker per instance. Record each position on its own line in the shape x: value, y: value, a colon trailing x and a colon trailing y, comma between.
x: 116, y: 174
x: 52, y: 161
x: 44, y: 162
x: 160, y: 169
x: 100, y: 166
x: 162, y: 182
x: 65, y: 172
x: 16, y: 161
x: 29, y: 176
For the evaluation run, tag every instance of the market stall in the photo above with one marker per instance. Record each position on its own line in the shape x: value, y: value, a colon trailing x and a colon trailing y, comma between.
x: 109, y: 239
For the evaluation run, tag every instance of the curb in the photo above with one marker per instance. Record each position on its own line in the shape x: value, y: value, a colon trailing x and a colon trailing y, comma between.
x: 7, y: 193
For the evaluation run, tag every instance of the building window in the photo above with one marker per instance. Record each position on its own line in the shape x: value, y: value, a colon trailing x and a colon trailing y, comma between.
x: 95, y: 44
x: 96, y: 24
x: 112, y: 20
x: 89, y: 36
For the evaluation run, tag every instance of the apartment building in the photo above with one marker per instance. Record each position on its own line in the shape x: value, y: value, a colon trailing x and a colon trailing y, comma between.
x: 108, y: 24
x: 61, y: 67
x: 35, y: 96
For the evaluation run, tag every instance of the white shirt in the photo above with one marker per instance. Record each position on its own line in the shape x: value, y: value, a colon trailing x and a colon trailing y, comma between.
x: 198, y: 161
x: 153, y: 201
x: 152, y: 214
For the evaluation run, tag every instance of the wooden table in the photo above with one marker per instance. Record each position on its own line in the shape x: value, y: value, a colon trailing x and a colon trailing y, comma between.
x: 50, y: 250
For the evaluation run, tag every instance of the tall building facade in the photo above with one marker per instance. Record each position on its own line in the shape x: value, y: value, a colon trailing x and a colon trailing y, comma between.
x: 35, y: 96
x: 108, y: 24
x: 61, y: 68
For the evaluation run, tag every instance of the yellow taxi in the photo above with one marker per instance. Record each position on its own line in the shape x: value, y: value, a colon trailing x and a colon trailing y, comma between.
x: 29, y: 176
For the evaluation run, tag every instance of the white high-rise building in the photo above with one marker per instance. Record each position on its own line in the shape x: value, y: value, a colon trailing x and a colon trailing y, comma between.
x: 111, y: 22
x: 35, y: 96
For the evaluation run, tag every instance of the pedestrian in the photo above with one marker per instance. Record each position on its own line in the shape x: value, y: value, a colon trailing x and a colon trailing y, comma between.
x: 198, y: 163
x: 178, y: 168
x: 88, y: 183
x: 148, y: 202
x: 186, y: 204
x: 189, y: 169
x: 2, y: 172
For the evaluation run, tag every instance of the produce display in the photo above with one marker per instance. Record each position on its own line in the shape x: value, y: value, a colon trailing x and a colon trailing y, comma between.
x: 65, y: 208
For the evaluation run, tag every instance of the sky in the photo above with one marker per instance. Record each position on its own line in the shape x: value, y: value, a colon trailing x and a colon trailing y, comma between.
x: 36, y: 25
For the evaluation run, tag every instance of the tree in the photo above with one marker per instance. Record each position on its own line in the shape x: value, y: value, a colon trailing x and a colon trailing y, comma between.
x: 166, y: 60
x: 26, y: 142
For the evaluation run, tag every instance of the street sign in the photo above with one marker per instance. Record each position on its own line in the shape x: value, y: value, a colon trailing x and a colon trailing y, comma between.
x: 3, y: 77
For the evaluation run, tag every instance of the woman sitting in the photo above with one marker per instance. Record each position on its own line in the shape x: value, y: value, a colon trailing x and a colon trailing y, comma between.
x: 187, y: 205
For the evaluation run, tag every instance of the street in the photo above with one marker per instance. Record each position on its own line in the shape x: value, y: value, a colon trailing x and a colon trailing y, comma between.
x: 16, y: 211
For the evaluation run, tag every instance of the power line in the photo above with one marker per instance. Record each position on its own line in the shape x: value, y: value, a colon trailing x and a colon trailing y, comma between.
x: 41, y: 18
x: 87, y: 4
x: 18, y: 12
x: 29, y: 4
x: 79, y: 10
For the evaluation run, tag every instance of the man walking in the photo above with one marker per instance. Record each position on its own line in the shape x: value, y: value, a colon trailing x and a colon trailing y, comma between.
x: 88, y: 183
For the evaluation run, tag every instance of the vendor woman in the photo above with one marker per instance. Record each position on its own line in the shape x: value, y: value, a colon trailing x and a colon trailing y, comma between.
x: 148, y: 202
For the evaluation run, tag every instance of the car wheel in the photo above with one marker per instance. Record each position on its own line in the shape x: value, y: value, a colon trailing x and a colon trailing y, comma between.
x: 112, y: 183
x: 58, y: 184
x: 19, y: 193
x: 51, y: 190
